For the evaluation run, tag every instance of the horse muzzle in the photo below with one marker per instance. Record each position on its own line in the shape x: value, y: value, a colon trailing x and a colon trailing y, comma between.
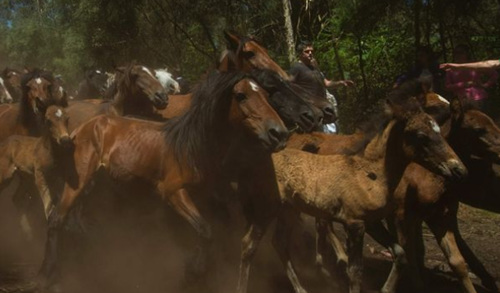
x: 453, y: 169
x: 65, y: 141
x: 275, y: 138
x: 160, y: 100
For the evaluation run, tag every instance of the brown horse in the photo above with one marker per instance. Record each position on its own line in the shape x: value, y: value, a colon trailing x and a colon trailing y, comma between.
x: 39, y: 90
x: 12, y: 80
x: 168, y: 157
x: 423, y: 195
x: 349, y: 189
x: 37, y: 159
x: 135, y: 92
x: 430, y: 196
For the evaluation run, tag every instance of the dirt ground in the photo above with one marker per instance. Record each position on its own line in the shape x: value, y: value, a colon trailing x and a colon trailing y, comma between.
x: 139, y: 246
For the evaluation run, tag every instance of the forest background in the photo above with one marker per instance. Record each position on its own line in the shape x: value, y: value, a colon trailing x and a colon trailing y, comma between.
x: 368, y: 41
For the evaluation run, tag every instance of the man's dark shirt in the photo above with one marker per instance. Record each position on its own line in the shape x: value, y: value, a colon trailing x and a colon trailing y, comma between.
x: 309, y: 78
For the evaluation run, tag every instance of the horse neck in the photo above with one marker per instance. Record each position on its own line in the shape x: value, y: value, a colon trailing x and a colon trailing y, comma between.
x: 385, y: 151
x: 30, y: 121
x: 125, y: 102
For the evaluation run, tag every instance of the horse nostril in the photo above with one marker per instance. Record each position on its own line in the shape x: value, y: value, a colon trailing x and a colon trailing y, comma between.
x: 329, y: 112
x: 308, y: 118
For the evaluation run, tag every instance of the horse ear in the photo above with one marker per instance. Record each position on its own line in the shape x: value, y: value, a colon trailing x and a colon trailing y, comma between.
x: 232, y: 40
x: 457, y: 109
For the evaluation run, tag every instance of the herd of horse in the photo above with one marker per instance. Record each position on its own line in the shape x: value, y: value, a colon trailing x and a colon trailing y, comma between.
x: 247, y: 127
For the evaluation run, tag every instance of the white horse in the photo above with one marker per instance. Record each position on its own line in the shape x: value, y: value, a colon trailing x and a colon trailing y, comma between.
x: 5, y: 96
x: 167, y: 81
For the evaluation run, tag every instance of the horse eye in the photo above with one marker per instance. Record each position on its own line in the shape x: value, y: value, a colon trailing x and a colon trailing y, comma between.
x: 248, y: 54
x: 240, y: 97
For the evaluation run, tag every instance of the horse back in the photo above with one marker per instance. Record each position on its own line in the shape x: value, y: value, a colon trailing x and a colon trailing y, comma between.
x: 177, y: 105
x: 82, y: 111
x: 126, y: 148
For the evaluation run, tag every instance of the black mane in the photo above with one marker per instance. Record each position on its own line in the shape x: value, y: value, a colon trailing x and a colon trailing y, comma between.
x: 194, y: 135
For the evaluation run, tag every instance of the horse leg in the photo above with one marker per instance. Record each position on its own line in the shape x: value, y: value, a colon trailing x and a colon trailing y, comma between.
x: 324, y: 232
x: 355, y: 233
x: 49, y: 270
x: 471, y: 259
x: 378, y: 232
x: 441, y: 227
x: 44, y: 191
x: 284, y: 227
x: 184, y: 206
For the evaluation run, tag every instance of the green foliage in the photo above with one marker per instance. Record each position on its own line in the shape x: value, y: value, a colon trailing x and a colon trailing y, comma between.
x: 368, y: 41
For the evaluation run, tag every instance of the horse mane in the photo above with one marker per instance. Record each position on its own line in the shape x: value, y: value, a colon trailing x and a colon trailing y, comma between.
x: 121, y: 81
x: 193, y: 136
x: 400, y: 98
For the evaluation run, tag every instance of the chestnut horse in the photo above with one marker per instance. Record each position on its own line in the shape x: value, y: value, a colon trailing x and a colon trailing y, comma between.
x: 135, y: 92
x: 93, y: 86
x: 168, y: 157
x: 39, y: 90
x: 37, y: 160
x: 12, y: 80
x: 363, y: 183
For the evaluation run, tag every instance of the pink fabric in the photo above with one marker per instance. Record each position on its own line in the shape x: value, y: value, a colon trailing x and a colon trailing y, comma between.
x: 458, y: 82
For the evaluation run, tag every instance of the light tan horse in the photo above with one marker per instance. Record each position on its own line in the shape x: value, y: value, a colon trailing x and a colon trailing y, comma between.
x: 348, y: 189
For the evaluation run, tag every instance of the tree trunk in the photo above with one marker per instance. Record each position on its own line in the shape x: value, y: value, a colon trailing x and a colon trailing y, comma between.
x: 337, y: 58
x: 441, y: 29
x: 417, y: 8
x: 362, y: 66
x: 287, y: 13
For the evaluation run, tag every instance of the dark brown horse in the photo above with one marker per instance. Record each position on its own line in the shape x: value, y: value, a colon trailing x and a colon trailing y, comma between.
x: 12, y: 80
x: 411, y: 135
x: 135, y: 92
x: 168, y: 157
x: 93, y: 86
x: 246, y: 54
x: 39, y: 90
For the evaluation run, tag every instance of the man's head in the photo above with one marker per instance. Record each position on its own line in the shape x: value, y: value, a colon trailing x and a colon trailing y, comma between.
x: 305, y: 51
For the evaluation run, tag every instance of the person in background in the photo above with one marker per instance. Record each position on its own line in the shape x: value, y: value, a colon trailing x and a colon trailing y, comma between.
x: 306, y: 72
x: 469, y: 83
x: 426, y: 67
x: 487, y: 64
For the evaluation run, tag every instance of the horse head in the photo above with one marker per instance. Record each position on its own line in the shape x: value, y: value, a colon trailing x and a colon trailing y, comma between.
x: 167, y: 81
x: 56, y: 123
x: 252, y: 112
x: 97, y: 79
x: 139, y: 81
x: 36, y: 92
x: 246, y: 54
x: 295, y: 112
x: 422, y: 141
x: 472, y: 132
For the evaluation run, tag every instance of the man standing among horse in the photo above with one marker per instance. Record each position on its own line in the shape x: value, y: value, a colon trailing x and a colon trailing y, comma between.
x: 306, y: 73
